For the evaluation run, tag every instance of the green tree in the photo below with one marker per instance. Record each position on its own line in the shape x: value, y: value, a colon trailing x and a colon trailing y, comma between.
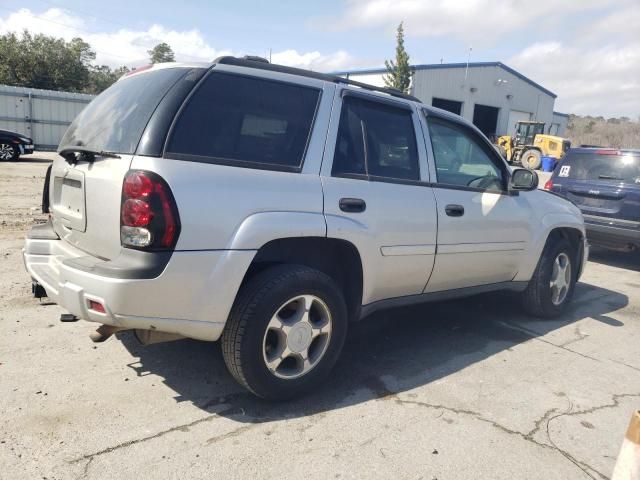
x: 102, y: 77
x: 399, y: 71
x: 161, y: 53
x: 40, y: 61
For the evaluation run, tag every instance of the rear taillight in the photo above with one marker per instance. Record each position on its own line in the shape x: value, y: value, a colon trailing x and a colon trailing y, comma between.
x: 548, y: 185
x: 148, y: 213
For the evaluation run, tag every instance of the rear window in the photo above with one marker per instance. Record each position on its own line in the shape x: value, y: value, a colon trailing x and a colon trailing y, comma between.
x: 245, y: 121
x: 115, y: 119
x: 594, y: 166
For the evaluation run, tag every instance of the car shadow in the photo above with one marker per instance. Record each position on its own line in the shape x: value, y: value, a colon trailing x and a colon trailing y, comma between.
x: 612, y: 258
x: 404, y: 347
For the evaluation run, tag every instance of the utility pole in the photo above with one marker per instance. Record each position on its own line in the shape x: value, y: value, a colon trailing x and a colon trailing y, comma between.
x: 466, y: 71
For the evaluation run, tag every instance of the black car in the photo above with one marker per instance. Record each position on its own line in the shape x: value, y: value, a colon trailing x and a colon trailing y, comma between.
x: 13, y: 144
x: 605, y: 184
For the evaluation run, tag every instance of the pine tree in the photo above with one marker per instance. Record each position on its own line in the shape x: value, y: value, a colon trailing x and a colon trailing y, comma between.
x: 399, y: 71
x: 161, y: 53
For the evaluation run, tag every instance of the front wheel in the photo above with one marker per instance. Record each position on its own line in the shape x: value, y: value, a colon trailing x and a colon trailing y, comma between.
x: 551, y: 288
x: 285, y: 331
x: 531, y: 159
x: 9, y: 152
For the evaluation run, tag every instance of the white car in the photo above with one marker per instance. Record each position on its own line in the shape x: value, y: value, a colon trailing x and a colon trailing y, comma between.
x: 268, y: 207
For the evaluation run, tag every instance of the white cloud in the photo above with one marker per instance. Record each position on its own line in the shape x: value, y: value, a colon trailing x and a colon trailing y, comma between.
x: 480, y: 21
x: 129, y: 47
x: 597, y: 71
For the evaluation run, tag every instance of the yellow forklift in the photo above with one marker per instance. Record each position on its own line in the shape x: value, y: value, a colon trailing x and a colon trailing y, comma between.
x: 530, y: 144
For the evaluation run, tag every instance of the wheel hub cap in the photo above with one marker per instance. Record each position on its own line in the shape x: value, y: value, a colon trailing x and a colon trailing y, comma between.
x: 6, y: 152
x: 297, y: 336
x: 560, y: 278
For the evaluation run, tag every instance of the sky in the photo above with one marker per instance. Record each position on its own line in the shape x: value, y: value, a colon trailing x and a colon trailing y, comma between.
x: 585, y: 51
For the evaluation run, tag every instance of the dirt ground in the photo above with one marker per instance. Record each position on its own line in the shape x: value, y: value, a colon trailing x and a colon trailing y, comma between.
x: 453, y: 390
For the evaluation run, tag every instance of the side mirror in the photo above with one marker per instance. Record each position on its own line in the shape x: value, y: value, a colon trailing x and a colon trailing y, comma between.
x: 523, y: 180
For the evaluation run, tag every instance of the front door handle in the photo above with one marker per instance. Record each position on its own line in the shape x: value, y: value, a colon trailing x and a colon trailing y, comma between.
x: 454, y: 210
x: 352, y: 205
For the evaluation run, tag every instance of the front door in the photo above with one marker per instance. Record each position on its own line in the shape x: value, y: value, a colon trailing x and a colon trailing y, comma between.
x: 375, y: 196
x: 482, y: 230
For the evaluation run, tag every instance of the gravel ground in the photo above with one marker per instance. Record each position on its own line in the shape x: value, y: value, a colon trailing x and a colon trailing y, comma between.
x: 454, y: 390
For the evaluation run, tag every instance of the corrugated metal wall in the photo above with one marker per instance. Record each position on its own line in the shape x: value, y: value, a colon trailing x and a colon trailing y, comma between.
x: 42, y: 115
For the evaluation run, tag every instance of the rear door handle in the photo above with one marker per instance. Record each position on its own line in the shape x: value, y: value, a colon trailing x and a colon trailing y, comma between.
x: 352, y: 205
x: 454, y: 210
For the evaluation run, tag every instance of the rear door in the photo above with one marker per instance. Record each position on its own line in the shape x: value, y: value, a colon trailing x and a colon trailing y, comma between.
x: 483, y: 231
x: 374, y: 178
x: 85, y: 192
x: 603, y: 183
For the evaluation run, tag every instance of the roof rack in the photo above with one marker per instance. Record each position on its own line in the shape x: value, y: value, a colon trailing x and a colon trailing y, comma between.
x: 263, y: 64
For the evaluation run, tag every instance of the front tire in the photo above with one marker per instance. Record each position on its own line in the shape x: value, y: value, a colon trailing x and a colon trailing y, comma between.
x: 9, y: 152
x: 531, y: 159
x: 551, y: 288
x: 285, y: 331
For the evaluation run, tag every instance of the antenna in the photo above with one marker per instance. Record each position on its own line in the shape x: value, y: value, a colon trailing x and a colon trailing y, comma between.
x: 269, y: 54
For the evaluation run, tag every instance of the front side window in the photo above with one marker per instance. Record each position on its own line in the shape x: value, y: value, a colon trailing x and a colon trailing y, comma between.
x: 461, y: 157
x: 232, y: 118
x: 375, y: 139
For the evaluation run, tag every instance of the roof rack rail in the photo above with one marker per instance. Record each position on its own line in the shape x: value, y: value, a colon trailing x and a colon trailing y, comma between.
x: 262, y: 64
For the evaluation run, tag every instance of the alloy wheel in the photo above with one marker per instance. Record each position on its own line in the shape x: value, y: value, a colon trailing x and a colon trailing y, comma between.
x: 560, y: 278
x: 297, y: 336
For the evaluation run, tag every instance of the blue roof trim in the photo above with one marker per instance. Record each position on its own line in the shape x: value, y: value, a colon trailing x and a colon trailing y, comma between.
x: 558, y: 114
x: 436, y: 66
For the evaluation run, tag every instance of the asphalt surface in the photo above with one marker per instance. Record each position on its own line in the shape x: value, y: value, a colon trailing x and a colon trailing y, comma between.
x: 454, y: 390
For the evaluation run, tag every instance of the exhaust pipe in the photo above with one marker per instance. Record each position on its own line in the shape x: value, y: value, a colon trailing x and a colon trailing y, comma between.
x: 103, y: 332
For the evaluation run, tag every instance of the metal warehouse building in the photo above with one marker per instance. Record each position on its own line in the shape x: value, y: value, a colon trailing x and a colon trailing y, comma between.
x: 42, y: 115
x: 490, y: 94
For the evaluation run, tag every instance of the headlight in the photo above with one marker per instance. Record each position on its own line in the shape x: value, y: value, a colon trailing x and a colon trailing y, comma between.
x: 25, y: 140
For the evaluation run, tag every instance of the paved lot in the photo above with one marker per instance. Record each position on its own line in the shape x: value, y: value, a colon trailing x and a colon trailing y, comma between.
x: 456, y: 390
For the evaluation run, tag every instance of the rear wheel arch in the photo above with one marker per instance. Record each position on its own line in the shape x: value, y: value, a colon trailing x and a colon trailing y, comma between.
x: 339, y: 259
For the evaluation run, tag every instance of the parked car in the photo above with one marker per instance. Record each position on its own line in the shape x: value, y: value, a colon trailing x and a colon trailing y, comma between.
x: 605, y: 184
x: 268, y: 206
x: 13, y: 144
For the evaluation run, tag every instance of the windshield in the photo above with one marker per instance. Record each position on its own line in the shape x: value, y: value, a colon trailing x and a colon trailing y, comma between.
x: 593, y: 166
x: 115, y: 119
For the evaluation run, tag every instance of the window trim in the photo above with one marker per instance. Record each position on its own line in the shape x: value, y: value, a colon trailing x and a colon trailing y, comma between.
x: 232, y: 162
x: 484, y: 144
x: 366, y: 176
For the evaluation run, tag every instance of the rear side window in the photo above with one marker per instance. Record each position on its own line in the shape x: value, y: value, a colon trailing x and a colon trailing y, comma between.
x: 617, y: 167
x: 375, y: 139
x: 115, y: 119
x: 235, y: 119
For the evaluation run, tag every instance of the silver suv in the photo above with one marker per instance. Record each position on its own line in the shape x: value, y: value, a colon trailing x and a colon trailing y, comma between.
x: 268, y: 206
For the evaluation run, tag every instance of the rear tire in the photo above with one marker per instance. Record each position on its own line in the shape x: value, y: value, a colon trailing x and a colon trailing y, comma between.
x: 285, y: 331
x: 531, y: 159
x: 551, y: 288
x: 9, y: 152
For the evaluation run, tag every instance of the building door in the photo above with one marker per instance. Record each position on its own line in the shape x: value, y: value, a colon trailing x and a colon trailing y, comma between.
x: 486, y: 119
x: 452, y: 106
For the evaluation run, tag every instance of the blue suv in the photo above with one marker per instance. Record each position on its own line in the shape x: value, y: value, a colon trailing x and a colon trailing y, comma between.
x: 605, y: 184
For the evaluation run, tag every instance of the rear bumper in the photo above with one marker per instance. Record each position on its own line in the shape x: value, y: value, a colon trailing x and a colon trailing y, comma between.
x: 612, y: 235
x: 191, y: 296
